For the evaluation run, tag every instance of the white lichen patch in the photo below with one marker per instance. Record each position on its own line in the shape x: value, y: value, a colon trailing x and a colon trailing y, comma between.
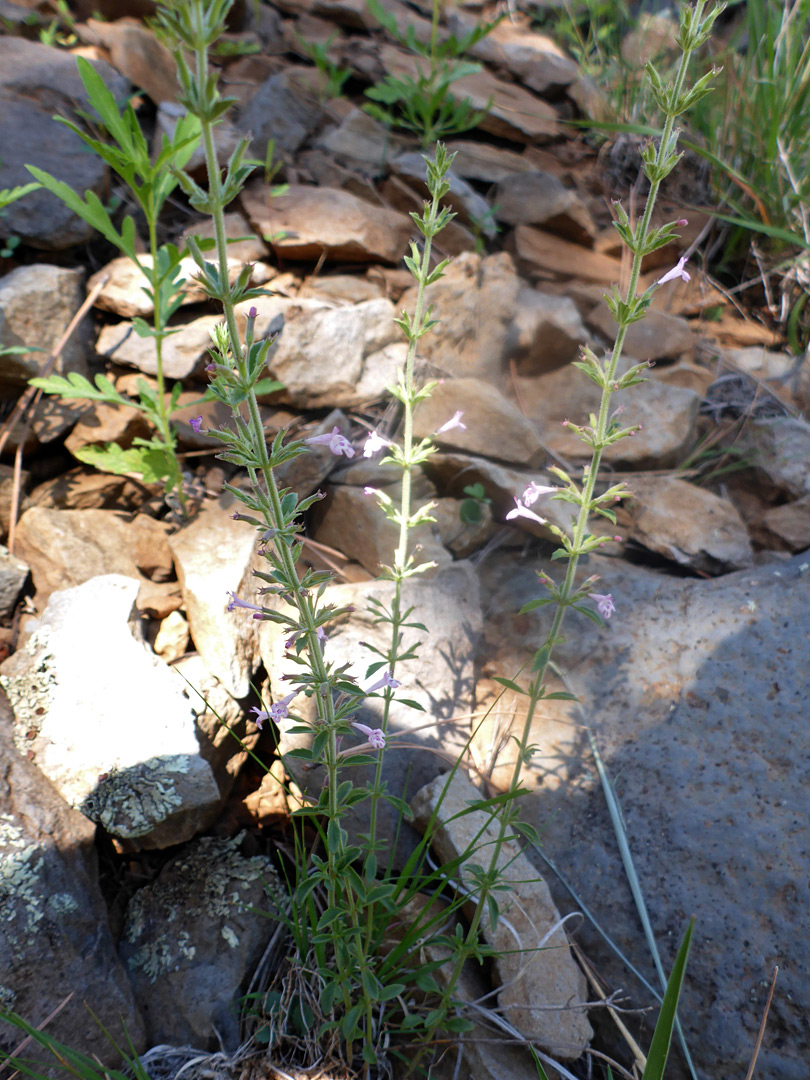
x: 8, y: 998
x: 131, y: 802
x: 60, y: 904
x: 21, y: 865
x: 230, y: 936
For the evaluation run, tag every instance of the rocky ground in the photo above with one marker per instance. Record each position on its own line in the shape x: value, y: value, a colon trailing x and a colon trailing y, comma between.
x: 136, y: 835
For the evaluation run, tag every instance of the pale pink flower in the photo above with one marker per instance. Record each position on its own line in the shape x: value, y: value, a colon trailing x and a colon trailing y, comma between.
x: 374, y: 443
x: 604, y: 604
x: 676, y: 272
x: 523, y: 511
x: 276, y: 712
x: 386, y: 680
x: 336, y: 442
x: 533, y: 493
x: 376, y: 736
x: 453, y: 422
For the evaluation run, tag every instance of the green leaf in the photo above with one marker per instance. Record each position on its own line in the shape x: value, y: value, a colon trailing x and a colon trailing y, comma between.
x: 148, y: 462
x: 508, y: 684
x: 662, y: 1036
x: 10, y: 195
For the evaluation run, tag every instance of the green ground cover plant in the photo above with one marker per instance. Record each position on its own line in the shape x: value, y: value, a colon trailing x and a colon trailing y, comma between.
x: 365, y: 1002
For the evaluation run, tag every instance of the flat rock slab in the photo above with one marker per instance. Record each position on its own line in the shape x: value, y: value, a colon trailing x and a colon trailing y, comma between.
x: 541, y: 991
x: 310, y: 222
x: 699, y: 697
x: 193, y: 937
x: 690, y: 525
x: 54, y: 933
x: 106, y: 721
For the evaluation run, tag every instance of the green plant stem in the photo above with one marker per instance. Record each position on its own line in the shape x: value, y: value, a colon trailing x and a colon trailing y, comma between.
x: 268, y: 493
x: 567, y: 590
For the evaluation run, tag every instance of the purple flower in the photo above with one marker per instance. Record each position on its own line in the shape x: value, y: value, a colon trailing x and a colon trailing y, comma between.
x: 261, y: 716
x: 276, y: 712
x: 336, y: 442
x: 604, y: 604
x: 322, y: 635
x: 386, y: 680
x: 375, y: 736
x: 237, y: 602
x: 523, y: 511
x: 374, y: 443
x: 453, y: 422
x: 196, y: 423
x: 675, y: 272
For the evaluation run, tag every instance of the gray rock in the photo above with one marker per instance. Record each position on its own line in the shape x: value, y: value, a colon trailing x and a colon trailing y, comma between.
x: 538, y: 198
x: 690, y: 525
x: 37, y: 81
x: 106, y: 721
x: 13, y: 575
x: 54, y: 934
x: 36, y: 305
x: 214, y: 556
x: 480, y: 161
x: 547, y: 332
x: 439, y: 679
x: 791, y: 523
x: 697, y: 691
x: 780, y: 449
x: 192, y: 939
x: 542, y: 989
x: 470, y: 206
x: 284, y: 109
x: 359, y: 139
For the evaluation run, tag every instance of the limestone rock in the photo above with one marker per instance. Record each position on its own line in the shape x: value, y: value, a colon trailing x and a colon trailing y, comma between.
x: 668, y: 415
x: 36, y: 305
x: 654, y: 337
x: 541, y: 991
x: 185, y: 353
x: 68, y: 547
x: 537, y: 251
x: 214, y: 556
x: 329, y: 356
x: 192, y: 937
x: 494, y: 426
x: 328, y: 222
x: 37, y: 81
x: 439, y: 678
x: 360, y: 140
x: 686, y: 523
x: 124, y: 292
x: 244, y: 246
x: 106, y: 721
x: 54, y: 932
x: 352, y: 522
x: 474, y: 303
